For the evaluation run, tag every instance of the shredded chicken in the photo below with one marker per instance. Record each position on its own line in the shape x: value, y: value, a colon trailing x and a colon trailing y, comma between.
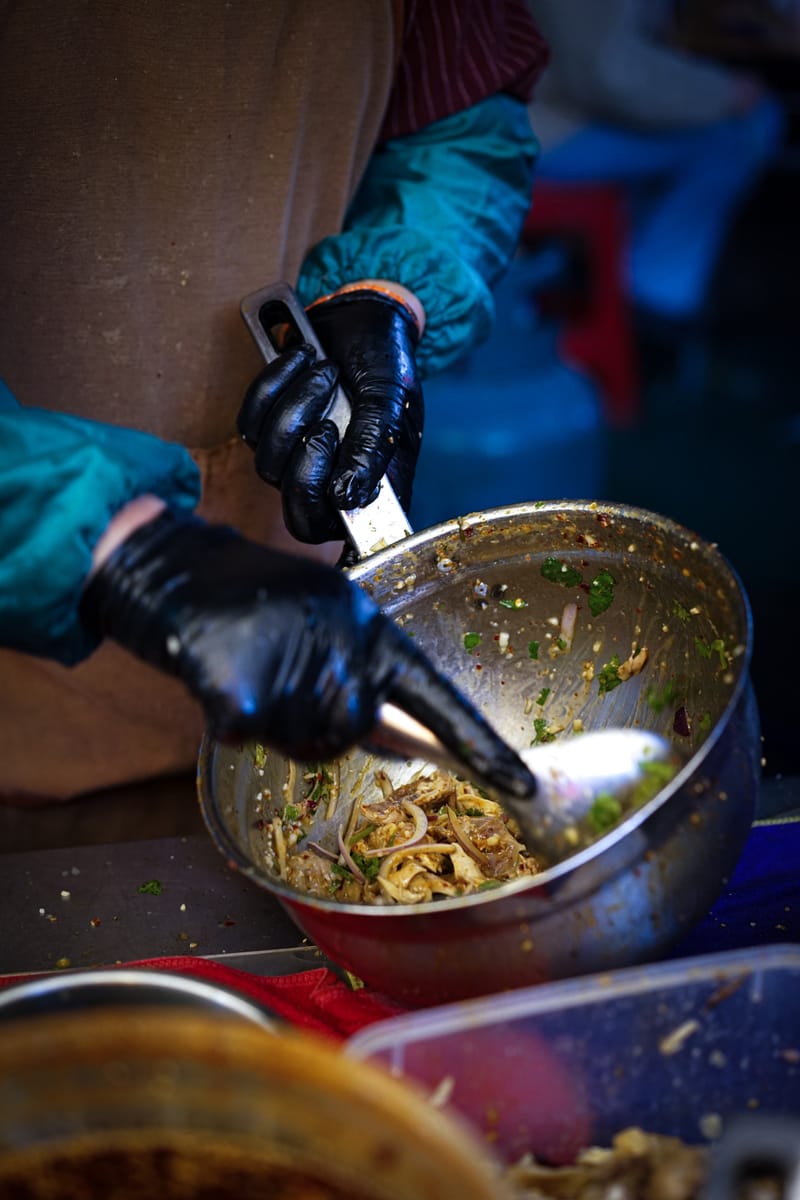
x: 638, y: 1166
x: 433, y: 837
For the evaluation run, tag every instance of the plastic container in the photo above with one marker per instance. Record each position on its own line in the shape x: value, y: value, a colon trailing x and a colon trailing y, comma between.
x: 677, y: 1048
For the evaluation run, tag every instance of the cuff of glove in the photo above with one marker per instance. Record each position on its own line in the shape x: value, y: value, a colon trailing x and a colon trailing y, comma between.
x: 129, y: 593
x: 458, y: 305
x: 404, y: 299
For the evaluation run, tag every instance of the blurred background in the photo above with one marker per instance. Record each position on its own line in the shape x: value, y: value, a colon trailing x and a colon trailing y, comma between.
x: 646, y: 335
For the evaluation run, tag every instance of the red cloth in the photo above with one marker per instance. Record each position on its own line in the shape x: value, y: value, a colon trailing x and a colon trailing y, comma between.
x: 455, y: 53
x: 316, y: 1000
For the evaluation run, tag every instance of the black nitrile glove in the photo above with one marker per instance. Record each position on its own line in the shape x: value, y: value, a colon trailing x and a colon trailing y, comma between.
x: 370, y: 340
x: 274, y: 646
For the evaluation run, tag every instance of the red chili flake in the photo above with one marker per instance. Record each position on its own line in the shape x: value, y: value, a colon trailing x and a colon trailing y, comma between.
x: 95, y: 921
x: 260, y: 823
x: 227, y: 923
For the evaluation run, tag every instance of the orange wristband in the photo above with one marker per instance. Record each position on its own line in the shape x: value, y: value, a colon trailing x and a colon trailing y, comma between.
x: 370, y: 287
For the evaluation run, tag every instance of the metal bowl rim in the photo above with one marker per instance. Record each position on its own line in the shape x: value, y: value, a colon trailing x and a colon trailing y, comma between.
x: 214, y: 995
x: 242, y: 862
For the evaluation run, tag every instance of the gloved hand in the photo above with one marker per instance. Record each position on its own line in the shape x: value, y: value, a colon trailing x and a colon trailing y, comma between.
x: 370, y: 339
x: 274, y: 646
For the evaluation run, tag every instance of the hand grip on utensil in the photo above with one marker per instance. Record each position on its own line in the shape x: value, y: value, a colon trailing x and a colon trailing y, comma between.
x: 380, y: 523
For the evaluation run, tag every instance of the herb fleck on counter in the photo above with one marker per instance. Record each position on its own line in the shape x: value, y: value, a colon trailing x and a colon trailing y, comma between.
x: 153, y: 887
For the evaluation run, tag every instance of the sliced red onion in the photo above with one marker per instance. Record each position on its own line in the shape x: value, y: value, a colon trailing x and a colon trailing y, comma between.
x: 568, y: 619
x: 322, y: 851
x: 348, y: 859
x: 681, y: 723
x: 464, y: 840
x: 417, y: 834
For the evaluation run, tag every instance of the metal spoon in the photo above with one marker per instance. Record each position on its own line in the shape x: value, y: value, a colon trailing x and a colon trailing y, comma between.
x: 586, y: 783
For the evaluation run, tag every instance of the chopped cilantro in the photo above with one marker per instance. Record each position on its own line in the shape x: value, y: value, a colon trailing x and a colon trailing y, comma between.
x: 260, y: 755
x: 533, y: 649
x: 707, y: 649
x: 655, y: 775
x: 487, y: 885
x: 323, y: 781
x: 705, y: 722
x: 680, y: 612
x: 369, y: 867
x: 608, y: 678
x: 153, y: 887
x: 560, y: 644
x: 601, y: 592
x: 541, y: 731
x: 471, y: 640
x: 658, y: 770
x: 291, y: 812
x: 473, y: 812
x: 543, y: 694
x: 342, y: 871
x: 605, y: 812
x: 518, y: 602
x: 556, y: 571
x: 658, y: 701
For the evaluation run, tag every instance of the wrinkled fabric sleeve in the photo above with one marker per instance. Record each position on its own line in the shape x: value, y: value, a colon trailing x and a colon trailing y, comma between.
x: 439, y: 211
x: 62, y: 479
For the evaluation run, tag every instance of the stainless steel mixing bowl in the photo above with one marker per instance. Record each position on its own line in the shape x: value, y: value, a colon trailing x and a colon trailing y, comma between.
x: 632, y: 894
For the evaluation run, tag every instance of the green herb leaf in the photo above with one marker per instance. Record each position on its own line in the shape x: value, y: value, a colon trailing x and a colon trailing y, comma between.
x: 259, y: 756
x: 488, y: 885
x: 608, y: 678
x: 153, y: 887
x: 471, y: 640
x: 605, y: 812
x: 368, y: 867
x: 680, y: 612
x: 715, y: 647
x: 601, y: 592
x: 518, y: 602
x: 543, y: 734
x: 323, y: 783
x: 655, y: 776
x: 291, y: 813
x: 543, y: 694
x: 705, y: 722
x: 556, y: 571
x: 533, y: 649
x: 658, y: 701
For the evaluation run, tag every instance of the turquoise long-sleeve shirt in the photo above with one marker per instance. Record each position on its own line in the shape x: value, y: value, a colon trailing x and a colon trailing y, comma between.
x: 441, y: 212
x: 62, y: 479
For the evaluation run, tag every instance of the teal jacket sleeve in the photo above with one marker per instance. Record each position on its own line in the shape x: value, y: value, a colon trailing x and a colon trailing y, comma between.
x: 62, y: 479
x: 439, y: 211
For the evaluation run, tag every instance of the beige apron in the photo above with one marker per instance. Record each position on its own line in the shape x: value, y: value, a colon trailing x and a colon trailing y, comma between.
x: 158, y: 161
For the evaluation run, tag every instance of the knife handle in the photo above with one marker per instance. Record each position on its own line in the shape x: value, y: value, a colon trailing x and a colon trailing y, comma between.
x: 380, y: 523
